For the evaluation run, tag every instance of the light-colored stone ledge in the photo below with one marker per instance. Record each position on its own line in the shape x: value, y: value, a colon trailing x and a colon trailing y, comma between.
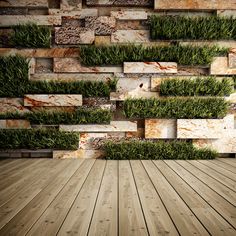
x: 129, y: 15
x: 80, y: 153
x: 24, y: 3
x: 76, y: 14
x: 130, y: 36
x: 12, y: 105
x: 232, y: 58
x: 220, y: 66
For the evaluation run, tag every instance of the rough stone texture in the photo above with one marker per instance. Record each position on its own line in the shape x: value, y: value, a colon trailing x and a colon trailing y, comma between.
x: 160, y: 128
x: 73, y: 65
x: 12, y: 105
x: 95, y: 102
x: 114, y: 126
x: 9, y: 20
x: 14, y: 124
x: 102, y: 40
x: 220, y: 66
x: 130, y: 25
x: 102, y: 25
x: 75, y: 14
x: 71, y: 5
x: 43, y: 65
x: 129, y: 15
x: 24, y: 3
x: 12, y: 11
x: 45, y: 100
x: 203, y: 128
x: 150, y: 67
x: 74, y: 35
x: 130, y: 36
x: 80, y: 153
x: 232, y: 58
x: 194, y: 4
x: 120, y: 2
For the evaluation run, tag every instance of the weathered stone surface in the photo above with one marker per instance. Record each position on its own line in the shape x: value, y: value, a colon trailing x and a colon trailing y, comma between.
x: 114, y: 126
x: 12, y: 11
x: 5, y: 36
x: 160, y: 128
x: 231, y: 98
x: 47, y: 53
x: 129, y: 15
x: 43, y: 65
x: 14, y: 124
x: 194, y: 4
x: 95, y: 102
x: 71, y: 5
x: 9, y: 20
x: 220, y: 66
x: 23, y: 3
x: 81, y: 14
x: 45, y: 100
x: 226, y: 13
x: 80, y: 153
x: 102, y: 40
x: 150, y: 67
x: 102, y: 25
x: 73, y: 65
x: 219, y: 43
x: 74, y: 35
x: 12, y: 105
x: 120, y: 2
x: 203, y: 128
x: 139, y: 134
x: 232, y: 58
x: 130, y: 25
x: 130, y: 36
x: 32, y: 66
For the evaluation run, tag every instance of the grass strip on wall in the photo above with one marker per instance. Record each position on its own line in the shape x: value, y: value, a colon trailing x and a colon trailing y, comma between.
x: 31, y: 36
x: 38, y: 139
x: 117, y: 54
x: 179, y: 108
x: 209, y: 86
x: 144, y: 150
x: 201, y: 28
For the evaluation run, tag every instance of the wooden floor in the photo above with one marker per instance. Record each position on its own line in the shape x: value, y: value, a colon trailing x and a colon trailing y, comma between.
x: 87, y: 197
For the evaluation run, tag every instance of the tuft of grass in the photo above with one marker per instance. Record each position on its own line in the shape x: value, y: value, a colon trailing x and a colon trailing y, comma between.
x: 201, y: 28
x: 144, y: 150
x: 178, y: 108
x: 80, y: 116
x: 38, y: 139
x: 31, y: 36
x: 117, y: 54
x: 201, y: 86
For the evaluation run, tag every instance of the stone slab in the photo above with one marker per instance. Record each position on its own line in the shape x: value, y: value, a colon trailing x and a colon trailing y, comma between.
x: 114, y: 126
x: 220, y: 66
x: 46, y: 100
x: 226, y: 13
x: 14, y: 124
x: 194, y: 5
x: 80, y: 153
x: 160, y: 128
x: 150, y: 67
x: 74, y: 35
x: 9, y: 20
x: 69, y: 65
x: 75, y: 14
x: 24, y: 3
x: 119, y: 2
x: 232, y: 58
x: 102, y: 40
x: 71, y: 5
x: 102, y: 25
x: 12, y: 105
x: 129, y: 15
x: 130, y: 36
x: 231, y: 98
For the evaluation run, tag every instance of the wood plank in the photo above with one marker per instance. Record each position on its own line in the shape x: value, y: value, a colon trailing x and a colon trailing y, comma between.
x: 216, y: 175
x: 13, y: 166
x: 131, y: 219
x: 212, y: 220
x: 79, y: 216
x: 230, y: 161
x: 216, y: 201
x: 225, y: 166
x: 157, y: 218
x: 221, y: 189
x: 50, y: 222
x: 105, y: 217
x: 184, y: 219
x: 25, y: 219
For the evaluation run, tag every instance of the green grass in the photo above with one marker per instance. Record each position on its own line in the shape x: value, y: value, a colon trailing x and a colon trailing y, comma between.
x: 179, y: 108
x: 31, y: 36
x: 201, y: 28
x: 208, y: 86
x: 144, y: 150
x: 38, y: 139
x: 117, y: 54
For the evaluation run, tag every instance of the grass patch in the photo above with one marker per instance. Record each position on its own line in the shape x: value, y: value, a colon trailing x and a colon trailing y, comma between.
x: 208, y: 86
x: 202, y: 28
x: 178, y: 108
x: 38, y: 139
x: 31, y: 36
x: 117, y: 54
x: 144, y: 150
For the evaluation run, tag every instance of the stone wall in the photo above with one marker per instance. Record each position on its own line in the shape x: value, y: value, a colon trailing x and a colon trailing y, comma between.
x: 107, y: 22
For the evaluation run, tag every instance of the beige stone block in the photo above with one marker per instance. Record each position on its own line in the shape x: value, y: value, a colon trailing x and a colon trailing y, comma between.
x: 123, y: 96
x: 32, y: 66
x: 102, y: 40
x: 71, y: 5
x: 114, y: 126
x: 12, y: 105
x: 129, y: 15
x: 220, y: 66
x: 24, y: 3
x: 51, y: 100
x: 232, y: 58
x: 73, y: 65
x: 80, y: 153
x: 130, y: 36
x: 160, y: 128
x: 231, y: 98
x: 133, y: 3
x: 76, y: 14
x: 9, y: 20
x: 139, y: 134
x: 150, y: 67
x: 226, y: 13
x: 14, y: 124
